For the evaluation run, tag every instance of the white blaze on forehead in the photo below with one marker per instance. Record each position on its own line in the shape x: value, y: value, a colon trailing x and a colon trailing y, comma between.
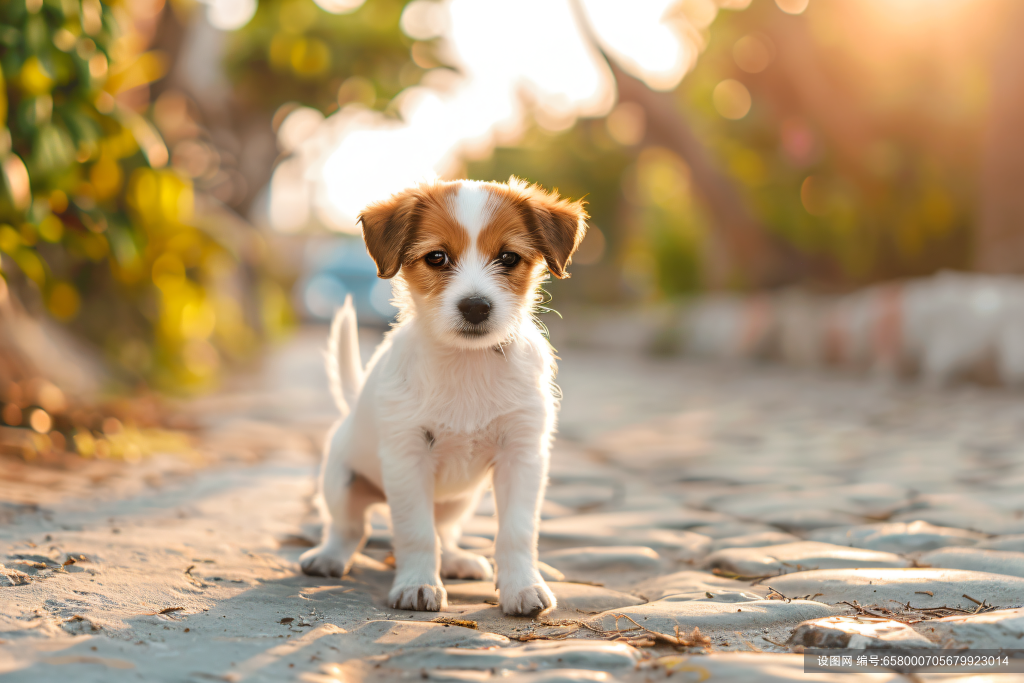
x: 472, y: 207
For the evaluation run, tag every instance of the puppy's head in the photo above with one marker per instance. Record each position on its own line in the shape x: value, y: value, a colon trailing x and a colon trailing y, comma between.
x: 472, y: 254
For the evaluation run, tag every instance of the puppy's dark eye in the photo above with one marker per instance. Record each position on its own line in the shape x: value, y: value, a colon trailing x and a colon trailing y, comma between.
x: 437, y: 259
x: 508, y: 259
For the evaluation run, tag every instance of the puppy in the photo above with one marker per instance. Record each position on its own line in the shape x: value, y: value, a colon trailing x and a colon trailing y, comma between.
x: 459, y: 394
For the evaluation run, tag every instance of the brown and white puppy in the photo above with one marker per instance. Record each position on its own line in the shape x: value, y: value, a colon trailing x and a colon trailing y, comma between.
x: 459, y: 394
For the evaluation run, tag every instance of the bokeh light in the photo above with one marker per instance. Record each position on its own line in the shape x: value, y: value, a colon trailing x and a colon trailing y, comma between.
x: 731, y: 99
x: 544, y: 70
x: 229, y: 15
x: 340, y: 6
x: 145, y: 230
x: 424, y: 19
x: 813, y: 196
x: 792, y: 6
x: 753, y: 53
x: 626, y: 123
x: 40, y: 421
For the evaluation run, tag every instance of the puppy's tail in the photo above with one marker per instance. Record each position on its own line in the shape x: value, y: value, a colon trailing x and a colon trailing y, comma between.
x: 344, y: 368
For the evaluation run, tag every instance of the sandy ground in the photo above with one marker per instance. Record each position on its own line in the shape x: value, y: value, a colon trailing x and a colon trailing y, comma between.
x: 179, y: 569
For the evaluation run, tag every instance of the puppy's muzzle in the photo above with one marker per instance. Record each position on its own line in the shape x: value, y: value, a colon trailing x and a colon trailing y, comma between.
x: 475, y: 309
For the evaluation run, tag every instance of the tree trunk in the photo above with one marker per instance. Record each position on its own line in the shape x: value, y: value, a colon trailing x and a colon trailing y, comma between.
x: 999, y: 234
x: 741, y: 250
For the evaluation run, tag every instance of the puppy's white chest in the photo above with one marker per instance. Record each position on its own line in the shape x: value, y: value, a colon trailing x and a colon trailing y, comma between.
x: 465, y: 398
x: 460, y: 460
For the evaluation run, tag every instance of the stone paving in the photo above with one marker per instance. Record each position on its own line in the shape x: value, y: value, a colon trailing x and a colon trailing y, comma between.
x: 771, y: 509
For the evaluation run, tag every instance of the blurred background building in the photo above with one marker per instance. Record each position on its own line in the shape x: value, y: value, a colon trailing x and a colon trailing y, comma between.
x: 181, y: 177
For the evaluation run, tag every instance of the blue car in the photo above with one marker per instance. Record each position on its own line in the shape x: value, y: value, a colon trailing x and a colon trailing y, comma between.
x: 337, y: 267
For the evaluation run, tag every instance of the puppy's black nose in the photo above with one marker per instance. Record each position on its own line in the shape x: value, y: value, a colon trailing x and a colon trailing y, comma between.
x: 475, y: 309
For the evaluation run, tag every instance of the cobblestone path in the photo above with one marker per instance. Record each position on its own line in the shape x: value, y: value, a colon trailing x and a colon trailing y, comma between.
x: 770, y: 509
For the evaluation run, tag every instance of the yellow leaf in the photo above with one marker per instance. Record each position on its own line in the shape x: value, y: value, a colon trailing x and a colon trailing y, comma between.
x: 16, y: 178
x: 63, y: 301
x: 310, y: 57
x: 105, y: 176
x: 10, y: 240
x: 3, y: 97
x: 149, y: 66
x: 31, y: 265
x: 51, y: 229
x: 35, y: 80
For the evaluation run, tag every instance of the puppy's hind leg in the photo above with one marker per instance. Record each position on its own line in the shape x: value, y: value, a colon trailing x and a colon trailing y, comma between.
x: 345, y: 528
x: 344, y: 500
x: 457, y: 563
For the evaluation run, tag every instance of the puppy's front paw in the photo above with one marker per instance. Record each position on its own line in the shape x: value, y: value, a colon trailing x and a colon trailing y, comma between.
x: 527, y: 600
x: 327, y: 559
x: 462, y: 564
x: 422, y: 597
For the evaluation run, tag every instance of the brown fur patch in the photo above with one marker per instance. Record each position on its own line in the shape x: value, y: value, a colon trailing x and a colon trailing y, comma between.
x: 507, y: 230
x: 435, y: 230
x: 387, y: 226
x: 398, y: 230
x: 525, y: 219
x: 558, y: 224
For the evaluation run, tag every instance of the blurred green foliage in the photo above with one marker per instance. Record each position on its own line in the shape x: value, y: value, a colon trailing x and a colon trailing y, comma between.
x: 638, y: 197
x: 867, y: 185
x: 862, y: 159
x: 92, y: 228
x: 583, y: 162
x: 652, y: 239
x: 294, y: 51
x: 857, y: 150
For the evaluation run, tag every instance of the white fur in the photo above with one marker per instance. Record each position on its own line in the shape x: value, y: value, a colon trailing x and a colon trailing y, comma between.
x: 473, y: 207
x: 436, y: 420
x: 344, y: 369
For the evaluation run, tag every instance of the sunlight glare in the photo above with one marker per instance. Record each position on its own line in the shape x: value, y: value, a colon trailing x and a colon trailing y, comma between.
x: 642, y: 40
x: 732, y: 99
x: 339, y: 6
x: 547, y: 54
x: 424, y: 19
x: 229, y: 15
x: 538, y: 63
x: 626, y: 123
x: 752, y: 53
x: 297, y: 127
x: 792, y: 6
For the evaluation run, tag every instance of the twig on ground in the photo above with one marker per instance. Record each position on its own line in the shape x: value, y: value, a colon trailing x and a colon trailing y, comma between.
x: 865, y: 610
x: 694, y: 639
x: 451, y: 621
x: 772, y: 591
x: 740, y: 577
x: 914, y: 615
x: 527, y: 637
x: 746, y: 642
x: 944, y: 608
x: 641, y: 641
x: 168, y: 610
x: 195, y: 582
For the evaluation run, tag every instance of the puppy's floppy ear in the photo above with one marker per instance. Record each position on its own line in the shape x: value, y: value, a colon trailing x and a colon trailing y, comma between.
x: 387, y: 227
x: 558, y: 224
